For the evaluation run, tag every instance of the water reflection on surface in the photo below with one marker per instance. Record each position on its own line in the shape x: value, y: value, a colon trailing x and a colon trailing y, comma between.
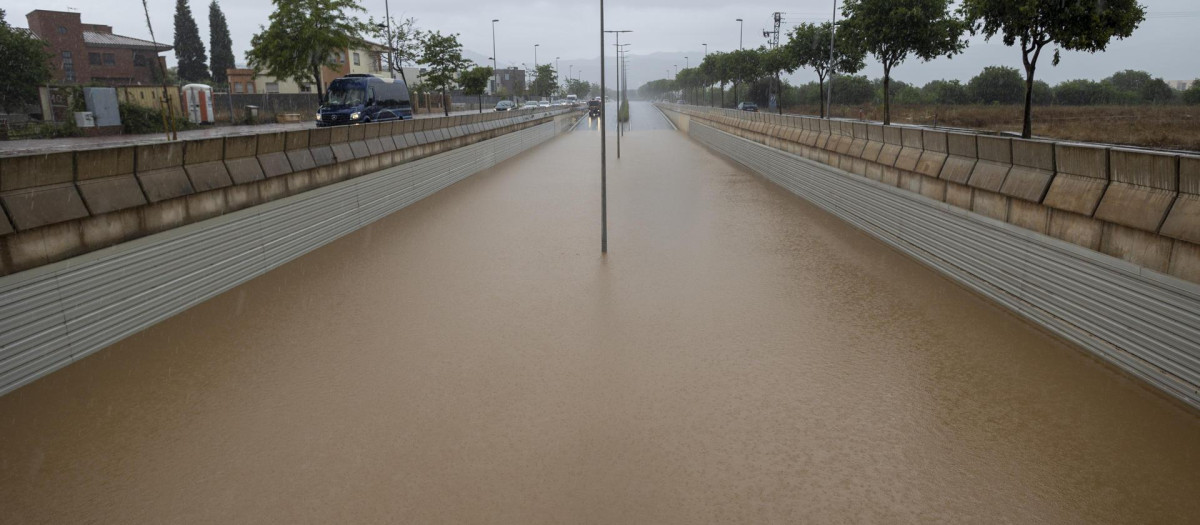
x: 739, y: 356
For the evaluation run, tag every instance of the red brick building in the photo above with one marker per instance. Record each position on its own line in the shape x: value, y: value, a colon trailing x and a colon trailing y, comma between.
x: 91, y: 53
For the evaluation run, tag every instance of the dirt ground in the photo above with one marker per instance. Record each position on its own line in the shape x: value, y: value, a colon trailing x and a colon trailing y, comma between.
x: 1170, y: 127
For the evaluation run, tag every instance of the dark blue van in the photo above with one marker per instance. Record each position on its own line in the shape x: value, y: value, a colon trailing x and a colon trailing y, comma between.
x: 358, y: 98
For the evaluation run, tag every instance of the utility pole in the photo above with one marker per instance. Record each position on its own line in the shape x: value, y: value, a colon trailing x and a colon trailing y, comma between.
x: 556, y: 70
x: 740, y: 26
x: 773, y: 39
x: 495, y: 69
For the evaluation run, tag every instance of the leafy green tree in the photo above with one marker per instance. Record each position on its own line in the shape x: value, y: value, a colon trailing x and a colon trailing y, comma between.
x: 745, y: 65
x: 219, y: 43
x: 474, y: 82
x: 579, y: 88
x: 997, y: 85
x: 851, y: 90
x: 25, y: 63
x: 546, y: 81
x: 1043, y: 94
x: 1072, y: 25
x: 945, y: 92
x: 404, y: 40
x: 304, y: 36
x: 1139, y: 86
x: 1084, y: 92
x: 1192, y: 95
x: 718, y: 64
x: 708, y: 69
x: 189, y: 50
x: 808, y: 46
x: 442, y: 55
x: 892, y: 30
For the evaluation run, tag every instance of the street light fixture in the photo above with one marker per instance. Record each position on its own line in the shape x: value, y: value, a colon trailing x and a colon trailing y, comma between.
x: 740, y: 26
x: 495, y: 68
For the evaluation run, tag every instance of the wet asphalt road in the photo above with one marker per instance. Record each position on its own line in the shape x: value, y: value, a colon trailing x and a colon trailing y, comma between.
x: 738, y: 357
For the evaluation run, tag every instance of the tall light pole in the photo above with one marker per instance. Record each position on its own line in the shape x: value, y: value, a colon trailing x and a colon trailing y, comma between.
x: 556, y: 69
x: 604, y: 95
x: 687, y: 63
x: 495, y: 68
x: 535, y: 64
x: 832, y: 31
x: 603, y: 144
x: 391, y: 49
x: 740, y: 26
x: 705, y: 50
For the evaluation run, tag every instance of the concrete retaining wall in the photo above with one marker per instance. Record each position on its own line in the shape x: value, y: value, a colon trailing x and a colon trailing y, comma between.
x: 1141, y: 206
x: 61, y: 205
x: 60, y: 312
x: 1023, y: 228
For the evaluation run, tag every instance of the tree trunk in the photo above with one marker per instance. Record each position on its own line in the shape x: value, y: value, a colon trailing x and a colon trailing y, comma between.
x: 481, y: 102
x: 1027, y: 127
x: 722, y: 94
x: 821, y: 85
x: 445, y: 105
x: 320, y: 88
x: 778, y: 93
x: 887, y: 97
x: 1030, y: 67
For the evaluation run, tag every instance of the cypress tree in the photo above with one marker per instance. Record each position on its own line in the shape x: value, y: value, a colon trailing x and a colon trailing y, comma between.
x: 189, y: 49
x: 219, y: 43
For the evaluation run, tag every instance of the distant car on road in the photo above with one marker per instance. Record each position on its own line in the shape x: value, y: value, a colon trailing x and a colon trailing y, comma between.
x: 505, y: 105
x: 544, y: 104
x: 593, y: 109
x: 748, y: 106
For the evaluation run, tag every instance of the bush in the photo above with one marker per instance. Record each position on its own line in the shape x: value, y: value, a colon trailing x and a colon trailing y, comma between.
x: 997, y: 85
x: 623, y: 111
x: 136, y: 120
x: 950, y: 92
x: 1192, y: 95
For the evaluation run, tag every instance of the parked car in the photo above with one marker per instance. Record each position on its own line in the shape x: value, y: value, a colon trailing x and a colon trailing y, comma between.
x: 748, y: 106
x: 505, y: 105
x: 544, y: 104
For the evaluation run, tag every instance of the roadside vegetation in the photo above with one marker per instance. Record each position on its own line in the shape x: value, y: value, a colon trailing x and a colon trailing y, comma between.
x: 1129, y: 107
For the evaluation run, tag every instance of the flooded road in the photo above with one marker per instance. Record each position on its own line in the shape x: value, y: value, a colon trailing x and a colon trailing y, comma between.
x: 738, y: 357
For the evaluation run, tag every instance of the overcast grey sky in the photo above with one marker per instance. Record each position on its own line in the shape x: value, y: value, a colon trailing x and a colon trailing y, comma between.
x: 664, y: 32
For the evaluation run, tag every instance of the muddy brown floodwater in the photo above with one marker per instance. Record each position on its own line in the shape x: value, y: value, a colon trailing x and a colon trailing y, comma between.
x: 738, y: 357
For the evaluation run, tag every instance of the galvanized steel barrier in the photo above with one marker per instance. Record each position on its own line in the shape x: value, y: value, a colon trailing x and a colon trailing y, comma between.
x: 59, y: 313
x: 1142, y: 321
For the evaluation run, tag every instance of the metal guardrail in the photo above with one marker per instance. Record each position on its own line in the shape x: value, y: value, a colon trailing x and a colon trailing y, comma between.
x: 60, y: 313
x: 1143, y: 322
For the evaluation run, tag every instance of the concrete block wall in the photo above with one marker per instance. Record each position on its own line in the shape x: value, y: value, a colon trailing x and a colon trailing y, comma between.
x: 1142, y: 206
x: 60, y: 205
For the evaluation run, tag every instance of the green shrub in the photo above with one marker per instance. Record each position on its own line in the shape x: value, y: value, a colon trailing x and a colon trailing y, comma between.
x: 137, y: 120
x: 623, y: 111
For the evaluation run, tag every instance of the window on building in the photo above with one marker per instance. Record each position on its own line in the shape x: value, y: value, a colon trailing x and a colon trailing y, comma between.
x: 237, y: 87
x: 62, y: 30
x: 305, y: 88
x: 139, y: 60
x: 272, y: 87
x: 110, y: 59
x: 506, y: 76
x: 68, y: 64
x: 250, y: 87
x: 356, y: 59
x: 93, y: 59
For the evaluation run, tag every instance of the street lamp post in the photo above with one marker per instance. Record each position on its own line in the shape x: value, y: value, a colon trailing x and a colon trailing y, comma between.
x: 740, y: 26
x: 832, y: 31
x: 603, y: 144
x: 556, y: 68
x: 391, y: 48
x: 604, y: 95
x: 710, y: 95
x: 495, y: 68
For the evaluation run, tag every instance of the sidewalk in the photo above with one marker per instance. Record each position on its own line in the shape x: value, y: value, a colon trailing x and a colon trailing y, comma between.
x: 13, y: 148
